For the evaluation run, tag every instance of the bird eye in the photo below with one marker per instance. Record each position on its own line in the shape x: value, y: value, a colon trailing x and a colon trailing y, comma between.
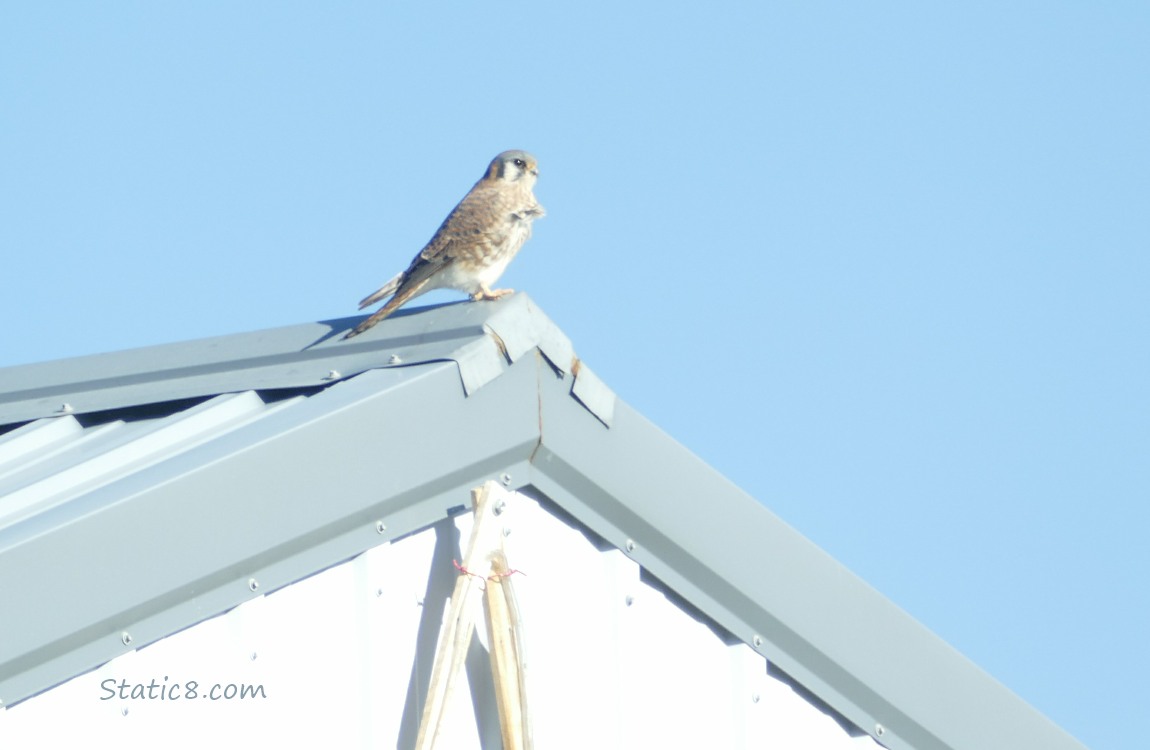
x: 520, y: 163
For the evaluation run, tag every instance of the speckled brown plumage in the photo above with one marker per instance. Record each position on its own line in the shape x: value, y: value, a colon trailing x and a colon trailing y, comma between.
x: 474, y: 244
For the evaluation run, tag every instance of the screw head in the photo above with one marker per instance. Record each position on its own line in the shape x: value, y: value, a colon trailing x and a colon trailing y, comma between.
x: 253, y: 584
x: 879, y: 730
x: 506, y: 479
x: 380, y: 527
x: 757, y: 641
x: 629, y: 545
x: 126, y: 638
x: 394, y: 359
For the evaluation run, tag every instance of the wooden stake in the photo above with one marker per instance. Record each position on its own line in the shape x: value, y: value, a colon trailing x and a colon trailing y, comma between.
x: 460, y: 625
x: 505, y: 631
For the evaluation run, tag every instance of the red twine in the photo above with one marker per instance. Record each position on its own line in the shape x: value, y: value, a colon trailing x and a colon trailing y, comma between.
x: 493, y: 577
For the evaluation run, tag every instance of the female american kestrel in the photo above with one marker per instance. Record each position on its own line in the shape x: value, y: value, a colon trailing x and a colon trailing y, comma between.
x: 476, y: 241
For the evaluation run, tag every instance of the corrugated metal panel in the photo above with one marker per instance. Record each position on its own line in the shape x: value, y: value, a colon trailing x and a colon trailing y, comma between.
x: 773, y: 588
x: 340, y: 660
x: 69, y: 461
x: 310, y: 355
x: 176, y: 513
x: 272, y: 497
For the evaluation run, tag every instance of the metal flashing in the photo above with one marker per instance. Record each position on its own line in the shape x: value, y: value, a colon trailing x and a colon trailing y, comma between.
x: 142, y: 527
x: 479, y: 337
x: 151, y: 547
x: 593, y: 393
x: 520, y: 327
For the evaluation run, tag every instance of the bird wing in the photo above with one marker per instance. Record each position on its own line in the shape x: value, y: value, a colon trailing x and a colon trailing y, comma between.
x: 478, y: 223
x: 474, y: 224
x: 436, y: 254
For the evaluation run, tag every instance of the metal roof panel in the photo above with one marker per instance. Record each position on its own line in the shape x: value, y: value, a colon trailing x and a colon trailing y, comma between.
x: 146, y: 519
x: 308, y: 355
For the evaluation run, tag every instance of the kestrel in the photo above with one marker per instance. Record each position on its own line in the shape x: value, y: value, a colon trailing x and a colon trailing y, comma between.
x: 476, y: 241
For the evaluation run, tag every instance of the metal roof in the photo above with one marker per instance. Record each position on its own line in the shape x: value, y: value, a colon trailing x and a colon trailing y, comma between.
x: 144, y: 491
x: 479, y: 338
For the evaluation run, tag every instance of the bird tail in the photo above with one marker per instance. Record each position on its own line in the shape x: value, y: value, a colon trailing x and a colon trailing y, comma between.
x: 402, y: 296
x: 384, y: 291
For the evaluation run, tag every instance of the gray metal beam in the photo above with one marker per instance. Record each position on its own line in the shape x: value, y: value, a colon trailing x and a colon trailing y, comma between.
x: 479, y: 337
x: 304, y: 488
x: 771, y: 587
x: 274, y: 501
x: 298, y: 356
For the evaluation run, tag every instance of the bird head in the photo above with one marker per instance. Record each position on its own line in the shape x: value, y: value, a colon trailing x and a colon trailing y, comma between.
x: 513, y: 166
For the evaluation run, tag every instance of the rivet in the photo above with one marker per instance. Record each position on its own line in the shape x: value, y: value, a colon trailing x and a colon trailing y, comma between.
x: 630, y: 545
x: 65, y: 409
x: 879, y: 730
x: 126, y: 638
x: 332, y: 375
x: 253, y: 584
x: 757, y: 641
x: 506, y: 531
x: 253, y: 656
x: 380, y: 527
x: 500, y: 506
x: 755, y: 697
x: 124, y: 711
x: 394, y: 359
x: 629, y: 600
x: 506, y: 479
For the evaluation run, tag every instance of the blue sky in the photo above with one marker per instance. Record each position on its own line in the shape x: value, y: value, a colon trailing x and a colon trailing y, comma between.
x: 885, y: 266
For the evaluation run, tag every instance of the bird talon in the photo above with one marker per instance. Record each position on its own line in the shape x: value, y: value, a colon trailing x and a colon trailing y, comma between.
x: 491, y: 294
